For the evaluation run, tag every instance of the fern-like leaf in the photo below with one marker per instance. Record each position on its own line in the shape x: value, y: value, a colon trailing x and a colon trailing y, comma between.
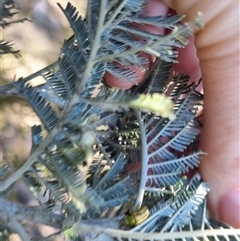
x: 43, y: 109
x: 78, y: 25
x: 120, y: 193
x: 112, y: 173
x: 157, y: 78
x: 186, y: 204
x: 6, y: 48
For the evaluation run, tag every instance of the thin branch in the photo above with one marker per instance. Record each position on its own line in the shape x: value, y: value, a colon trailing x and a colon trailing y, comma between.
x: 89, y: 21
x: 170, y: 141
x: 75, y: 99
x: 95, y: 48
x: 91, y: 61
x: 52, y: 98
x: 165, y: 127
x: 14, y: 21
x: 144, y: 160
x: 27, y: 164
x: 178, y: 160
x: 40, y: 72
x: 111, y: 4
x: 14, y: 52
x: 9, y: 90
x: 114, y: 15
x: 123, y: 234
x: 40, y: 149
x: 138, y: 32
x: 109, y: 161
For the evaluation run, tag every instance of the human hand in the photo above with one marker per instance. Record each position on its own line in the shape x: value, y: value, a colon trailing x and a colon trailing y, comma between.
x: 218, y: 53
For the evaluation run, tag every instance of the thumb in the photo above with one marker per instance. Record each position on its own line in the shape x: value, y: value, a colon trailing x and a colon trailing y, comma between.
x: 218, y: 52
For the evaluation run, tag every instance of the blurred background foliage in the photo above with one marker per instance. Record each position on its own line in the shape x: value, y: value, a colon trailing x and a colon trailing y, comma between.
x: 39, y: 41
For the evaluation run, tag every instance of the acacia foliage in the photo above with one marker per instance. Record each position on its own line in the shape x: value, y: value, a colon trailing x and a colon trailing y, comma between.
x: 137, y: 145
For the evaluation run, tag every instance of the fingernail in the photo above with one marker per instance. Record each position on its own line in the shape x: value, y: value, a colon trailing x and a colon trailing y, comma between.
x: 229, y: 208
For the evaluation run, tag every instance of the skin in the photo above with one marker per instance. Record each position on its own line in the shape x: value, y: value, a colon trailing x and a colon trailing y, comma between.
x: 214, y: 52
x: 218, y: 52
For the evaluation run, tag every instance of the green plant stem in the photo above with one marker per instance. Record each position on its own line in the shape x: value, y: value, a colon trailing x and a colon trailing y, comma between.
x: 144, y: 161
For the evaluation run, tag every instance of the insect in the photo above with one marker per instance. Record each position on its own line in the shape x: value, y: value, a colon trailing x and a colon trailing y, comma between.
x: 136, y: 217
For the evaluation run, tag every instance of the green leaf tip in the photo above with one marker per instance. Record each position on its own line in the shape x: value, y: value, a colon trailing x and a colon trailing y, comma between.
x: 156, y: 103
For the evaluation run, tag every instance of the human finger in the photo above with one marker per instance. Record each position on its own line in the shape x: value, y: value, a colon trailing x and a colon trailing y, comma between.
x: 218, y: 52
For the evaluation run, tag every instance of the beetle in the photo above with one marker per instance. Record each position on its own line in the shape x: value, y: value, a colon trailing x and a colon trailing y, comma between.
x: 136, y: 217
